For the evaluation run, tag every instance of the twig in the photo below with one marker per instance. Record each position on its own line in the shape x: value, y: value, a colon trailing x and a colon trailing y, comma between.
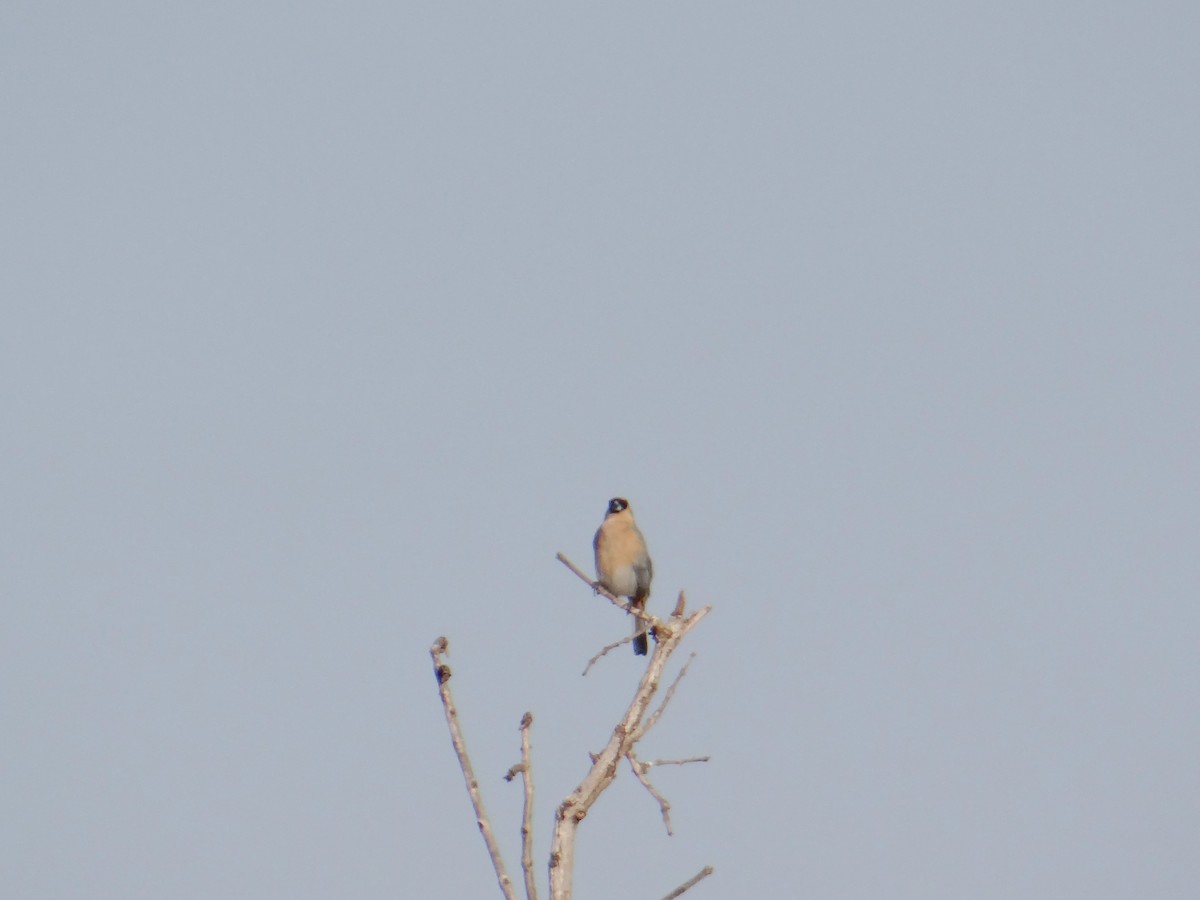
x: 640, y: 769
x: 525, y: 769
x: 657, y: 714
x: 651, y: 621
x: 613, y: 646
x: 527, y: 812
x: 663, y: 806
x: 442, y: 672
x: 690, y: 883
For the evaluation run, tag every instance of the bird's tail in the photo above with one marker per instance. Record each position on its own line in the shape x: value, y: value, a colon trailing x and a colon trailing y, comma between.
x: 640, y: 642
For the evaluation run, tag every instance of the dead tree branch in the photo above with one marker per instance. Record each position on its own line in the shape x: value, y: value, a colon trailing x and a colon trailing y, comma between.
x: 651, y: 621
x: 673, y: 762
x: 657, y: 714
x: 613, y: 646
x: 525, y: 769
x: 527, y: 812
x: 639, y: 772
x: 578, y: 804
x: 690, y: 883
x: 442, y: 673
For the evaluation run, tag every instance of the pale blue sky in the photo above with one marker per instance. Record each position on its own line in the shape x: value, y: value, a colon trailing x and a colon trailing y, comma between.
x: 327, y: 325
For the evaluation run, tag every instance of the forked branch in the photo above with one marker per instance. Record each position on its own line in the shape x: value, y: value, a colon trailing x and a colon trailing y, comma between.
x: 639, y: 772
x: 576, y: 806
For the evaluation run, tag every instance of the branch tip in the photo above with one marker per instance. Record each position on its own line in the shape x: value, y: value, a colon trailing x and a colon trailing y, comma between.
x: 690, y: 883
x: 442, y: 671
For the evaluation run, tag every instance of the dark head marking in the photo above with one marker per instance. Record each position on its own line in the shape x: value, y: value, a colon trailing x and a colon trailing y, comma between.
x: 617, y: 504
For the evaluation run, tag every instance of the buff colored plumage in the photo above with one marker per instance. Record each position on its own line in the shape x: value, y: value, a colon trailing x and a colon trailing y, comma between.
x: 623, y: 564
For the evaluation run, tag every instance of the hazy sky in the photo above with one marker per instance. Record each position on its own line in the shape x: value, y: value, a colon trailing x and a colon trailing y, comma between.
x: 326, y: 325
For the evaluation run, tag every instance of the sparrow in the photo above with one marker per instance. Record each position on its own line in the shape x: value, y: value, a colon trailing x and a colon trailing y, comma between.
x: 623, y: 565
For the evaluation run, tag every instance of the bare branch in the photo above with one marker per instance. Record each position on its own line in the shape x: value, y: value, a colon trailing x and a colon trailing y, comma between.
x: 576, y: 806
x: 674, y: 762
x: 663, y: 806
x: 443, y: 674
x: 514, y: 771
x: 613, y: 646
x: 657, y: 714
x: 527, y: 812
x: 640, y: 769
x: 690, y: 883
x: 651, y: 621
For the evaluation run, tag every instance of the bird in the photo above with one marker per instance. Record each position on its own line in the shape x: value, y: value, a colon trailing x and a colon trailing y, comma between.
x: 623, y: 565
